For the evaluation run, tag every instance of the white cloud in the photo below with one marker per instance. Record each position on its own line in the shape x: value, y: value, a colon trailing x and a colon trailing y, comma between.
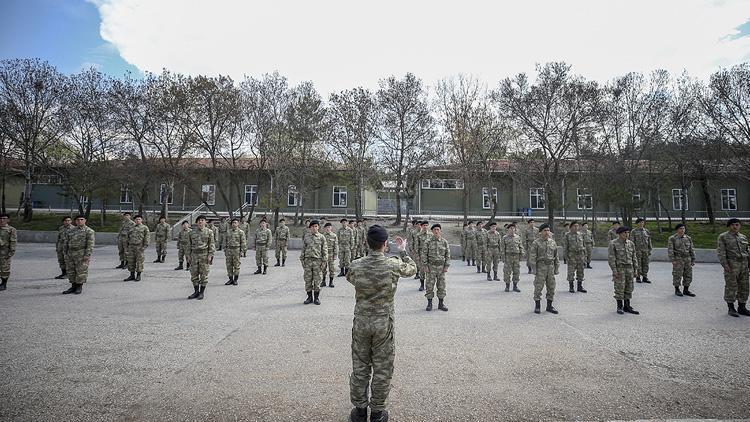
x: 340, y: 44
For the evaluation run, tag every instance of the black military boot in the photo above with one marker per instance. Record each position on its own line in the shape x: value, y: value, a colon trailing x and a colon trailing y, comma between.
x: 131, y: 277
x: 70, y: 290
x: 551, y: 309
x: 629, y: 309
x: 137, y: 277
x: 429, y: 305
x: 479, y: 269
x: 588, y: 266
x: 277, y: 264
x: 488, y: 276
x: 537, y: 306
x: 309, y: 299
x: 619, y: 307
x: 231, y: 280
x: 265, y: 269
x: 515, y: 287
x: 316, y: 299
x: 187, y: 266
x: 421, y: 285
x: 341, y: 273
x: 677, y: 291
x: 646, y: 280
x: 123, y: 265
x: 441, y: 305
x: 3, y: 284
x: 163, y: 257
x: 330, y: 281
x: 507, y: 287
x: 195, y: 293
x: 259, y: 270
x: 78, y: 289
x: 236, y: 279
x: 179, y: 267
x: 494, y: 276
x: 638, y: 279
x: 323, y: 283
x: 686, y: 291
x: 381, y: 416
x: 468, y: 262
x: 731, y: 310
x: 283, y: 262
x: 572, y: 289
x: 416, y: 275
x: 473, y: 262
x: 580, y: 287
x: 742, y: 309
x: 201, y: 292
x: 158, y: 259
x: 358, y: 414
x: 61, y: 276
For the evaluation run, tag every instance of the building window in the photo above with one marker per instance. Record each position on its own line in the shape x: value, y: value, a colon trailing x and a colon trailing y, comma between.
x: 536, y: 198
x: 208, y: 194
x: 678, y: 200
x: 125, y: 197
x: 585, y: 200
x: 292, y: 197
x: 487, y: 195
x: 729, y: 200
x: 165, y: 192
x: 339, y: 196
x: 47, y: 179
x: 442, y: 184
x: 83, y: 199
x: 251, y: 194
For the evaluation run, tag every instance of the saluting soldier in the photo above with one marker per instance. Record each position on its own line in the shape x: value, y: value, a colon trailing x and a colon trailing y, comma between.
x: 494, y: 243
x: 546, y: 265
x: 139, y: 237
x: 183, y: 244
x: 345, y: 237
x: 282, y: 237
x: 588, y: 242
x: 161, y: 236
x: 529, y: 236
x: 435, y: 259
x: 681, y: 253
x: 235, y: 241
x: 511, y: 250
x: 574, y: 253
x: 202, y: 248
x: 262, y: 240
x: 122, y: 239
x: 79, y: 245
x: 642, y: 240
x: 733, y: 251
x: 313, y: 256
x: 60, y: 246
x: 8, y: 240
x: 333, y: 250
x: 624, y: 266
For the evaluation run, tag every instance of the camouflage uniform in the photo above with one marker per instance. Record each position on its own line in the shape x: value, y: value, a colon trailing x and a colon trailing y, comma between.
x: 494, y: 243
x: 511, y: 250
x: 263, y: 239
x: 222, y: 233
x: 463, y: 244
x: 421, y: 241
x: 546, y: 264
x: 375, y: 279
x: 588, y: 243
x: 79, y: 244
x: 481, y: 251
x: 622, y: 261
x: 138, y: 240
x: 435, y: 255
x: 245, y: 227
x: 682, y: 255
x: 60, y: 247
x: 471, y: 246
x: 333, y: 250
x: 574, y: 252
x: 161, y: 236
x: 122, y: 239
x: 202, y: 248
x: 313, y: 256
x: 733, y: 252
x: 282, y: 237
x: 8, y: 239
x: 612, y: 235
x: 345, y: 237
x: 529, y: 236
x: 642, y: 240
x: 235, y: 241
x: 183, y: 245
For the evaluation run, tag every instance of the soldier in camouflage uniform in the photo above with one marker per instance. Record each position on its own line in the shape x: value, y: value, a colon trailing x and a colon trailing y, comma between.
x: 681, y: 253
x: 481, y: 251
x: 183, y: 244
x: 245, y: 227
x: 624, y: 266
x: 161, y: 237
x: 574, y: 252
x: 471, y: 244
x: 463, y: 242
x: 202, y: 248
x: 546, y: 264
x: 588, y: 243
x: 235, y: 241
x: 355, y: 238
x: 511, y: 251
x: 223, y: 227
x: 494, y: 242
x: 435, y: 259
x: 60, y: 246
x: 345, y: 237
x: 734, y: 252
x: 642, y: 240
x: 421, y: 239
x: 358, y: 252
x: 375, y: 279
x: 333, y: 250
x: 214, y: 226
x: 282, y: 237
x: 79, y: 244
x: 529, y: 236
x: 411, y: 242
x: 612, y: 233
x: 122, y: 239
x: 139, y: 237
x: 365, y: 228
x: 263, y: 239
x: 314, y: 254
x: 8, y: 239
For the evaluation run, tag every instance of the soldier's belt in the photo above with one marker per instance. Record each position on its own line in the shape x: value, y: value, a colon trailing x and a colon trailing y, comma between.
x: 545, y: 261
x: 232, y: 247
x: 682, y: 254
x: 261, y: 244
x: 512, y: 253
x: 76, y: 249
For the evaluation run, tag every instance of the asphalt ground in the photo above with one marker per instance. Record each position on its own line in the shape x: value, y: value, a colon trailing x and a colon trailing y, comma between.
x: 142, y: 351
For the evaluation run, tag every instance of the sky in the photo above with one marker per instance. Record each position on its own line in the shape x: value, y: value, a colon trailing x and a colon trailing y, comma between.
x: 340, y: 44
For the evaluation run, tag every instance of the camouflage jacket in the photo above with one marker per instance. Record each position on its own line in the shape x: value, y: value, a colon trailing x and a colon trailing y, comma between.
x: 314, y: 247
x: 588, y: 238
x: 8, y: 240
x: 62, y: 236
x: 680, y: 247
x: 732, y: 248
x: 572, y: 244
x: 345, y: 236
x: 544, y: 252
x: 481, y: 236
x: 530, y: 235
x: 262, y: 237
x: 125, y: 228
x: 139, y: 235
x: 282, y: 233
x: 161, y: 232
x: 511, y: 245
x: 333, y: 244
x: 435, y: 252
x: 612, y: 235
x: 375, y: 279
x: 641, y: 238
x: 183, y: 240
x: 235, y: 238
x: 622, y: 255
x: 471, y: 237
x: 202, y: 241
x: 494, y: 240
x: 80, y: 238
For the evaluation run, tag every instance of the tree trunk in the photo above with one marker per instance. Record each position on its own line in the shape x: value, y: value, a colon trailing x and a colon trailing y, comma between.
x: 88, y: 206
x: 707, y: 200
x: 103, y: 216
x: 398, y: 206
x: 465, y: 204
x: 28, y: 210
x: 2, y: 192
x: 669, y: 216
x: 683, y: 200
x: 551, y: 216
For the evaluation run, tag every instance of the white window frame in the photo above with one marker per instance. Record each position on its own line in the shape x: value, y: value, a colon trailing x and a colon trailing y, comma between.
x: 253, y: 191
x: 170, y: 196
x: 292, y: 197
x: 340, y: 194
x: 210, y: 191
x: 540, y: 195
x: 128, y: 197
x: 83, y: 199
x: 731, y: 195
x: 487, y: 198
x: 677, y: 194
x: 585, y: 195
x: 457, y: 184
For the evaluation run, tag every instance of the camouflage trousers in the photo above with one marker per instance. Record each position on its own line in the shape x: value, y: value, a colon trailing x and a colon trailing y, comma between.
x: 61, y: 258
x: 261, y: 255
x: 530, y: 265
x: 512, y: 266
x: 232, y: 257
x: 330, y: 267
x: 471, y: 250
x: 199, y: 268
x: 589, y: 251
x: 122, y: 248
x: 135, y: 258
x: 222, y: 238
x: 544, y: 276
x: 624, y: 283
x: 642, y: 258
x: 281, y: 249
x: 435, y: 278
x: 682, y: 271
x: 161, y: 247
x: 575, y: 266
x: 313, y: 274
x: 77, y: 268
x: 345, y: 256
x: 4, y: 264
x: 493, y: 259
x: 481, y: 256
x: 736, y: 282
x: 373, y: 353
x: 181, y: 254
